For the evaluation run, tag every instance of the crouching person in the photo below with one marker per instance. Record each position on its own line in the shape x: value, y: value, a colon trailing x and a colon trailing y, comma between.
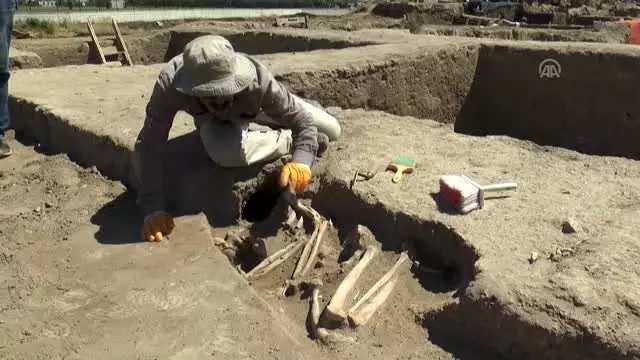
x: 226, y: 93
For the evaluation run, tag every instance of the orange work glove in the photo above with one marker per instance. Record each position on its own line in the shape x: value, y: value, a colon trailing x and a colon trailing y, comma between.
x: 297, y: 175
x: 156, y: 225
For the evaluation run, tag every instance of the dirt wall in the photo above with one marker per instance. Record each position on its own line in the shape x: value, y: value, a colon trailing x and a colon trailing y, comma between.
x: 77, y: 51
x: 433, y: 85
x: 394, y: 10
x: 57, y: 52
x: 591, y: 106
x: 164, y: 45
x: 19, y: 59
x: 256, y: 43
x: 616, y: 36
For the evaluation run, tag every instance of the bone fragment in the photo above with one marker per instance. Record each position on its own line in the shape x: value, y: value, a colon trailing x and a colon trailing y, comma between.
x: 314, y: 307
x: 335, y: 312
x: 380, y: 283
x: 301, y: 208
x: 234, y: 239
x: 362, y: 314
x: 218, y: 241
x: 316, y: 245
x: 302, y: 261
x: 292, y: 220
x: 316, y: 219
x: 360, y: 238
x: 354, y: 258
x: 276, y: 259
x: 333, y: 338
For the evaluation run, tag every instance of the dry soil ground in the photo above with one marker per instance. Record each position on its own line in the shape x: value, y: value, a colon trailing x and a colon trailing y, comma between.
x: 72, y: 294
x: 75, y: 284
x: 72, y: 48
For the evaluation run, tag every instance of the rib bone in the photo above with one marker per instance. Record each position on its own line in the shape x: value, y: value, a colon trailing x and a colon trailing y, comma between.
x: 316, y: 245
x: 276, y: 259
x: 302, y: 261
x: 334, y: 312
x: 362, y: 314
x: 383, y: 280
x: 316, y: 219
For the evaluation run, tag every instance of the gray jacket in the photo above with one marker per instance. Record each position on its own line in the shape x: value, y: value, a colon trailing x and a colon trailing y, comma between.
x: 264, y: 94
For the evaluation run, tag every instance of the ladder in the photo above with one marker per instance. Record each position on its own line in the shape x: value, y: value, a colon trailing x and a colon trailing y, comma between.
x: 121, y: 54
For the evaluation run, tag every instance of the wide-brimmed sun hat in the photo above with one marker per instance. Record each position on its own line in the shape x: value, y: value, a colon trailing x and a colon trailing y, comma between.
x: 211, y: 67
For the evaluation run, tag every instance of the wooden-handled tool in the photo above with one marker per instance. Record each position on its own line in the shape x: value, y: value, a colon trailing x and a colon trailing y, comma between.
x: 401, y: 165
x: 373, y: 169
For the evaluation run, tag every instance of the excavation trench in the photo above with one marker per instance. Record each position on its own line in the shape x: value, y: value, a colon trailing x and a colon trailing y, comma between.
x: 465, y: 86
x: 162, y: 46
x: 551, y: 95
x: 440, y: 264
x: 446, y: 305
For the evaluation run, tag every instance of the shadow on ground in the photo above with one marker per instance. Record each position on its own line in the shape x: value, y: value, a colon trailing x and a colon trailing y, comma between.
x: 192, y: 184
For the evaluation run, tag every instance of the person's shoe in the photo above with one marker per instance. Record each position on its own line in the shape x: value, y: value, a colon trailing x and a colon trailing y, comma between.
x: 5, y: 149
x: 323, y: 143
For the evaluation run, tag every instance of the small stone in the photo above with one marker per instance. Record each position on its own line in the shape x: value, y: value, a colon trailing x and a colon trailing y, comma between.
x: 38, y: 209
x: 564, y: 251
x: 577, y: 301
x: 218, y: 241
x: 569, y: 226
x: 533, y: 257
x: 319, y: 264
x: 48, y: 205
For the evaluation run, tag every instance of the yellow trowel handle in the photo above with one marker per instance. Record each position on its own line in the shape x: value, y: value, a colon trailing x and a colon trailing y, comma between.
x: 400, y: 169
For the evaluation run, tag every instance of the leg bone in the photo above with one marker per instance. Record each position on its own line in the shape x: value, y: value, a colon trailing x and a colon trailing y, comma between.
x: 314, y: 310
x: 361, y: 315
x: 354, y: 258
x: 384, y: 279
x: 335, y: 312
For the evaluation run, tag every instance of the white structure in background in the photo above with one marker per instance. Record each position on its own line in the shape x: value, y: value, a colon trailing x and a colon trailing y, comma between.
x: 52, y: 3
x: 162, y: 14
x: 116, y: 4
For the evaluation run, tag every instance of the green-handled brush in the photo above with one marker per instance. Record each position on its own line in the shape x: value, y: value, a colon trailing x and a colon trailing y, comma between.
x: 401, y: 165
